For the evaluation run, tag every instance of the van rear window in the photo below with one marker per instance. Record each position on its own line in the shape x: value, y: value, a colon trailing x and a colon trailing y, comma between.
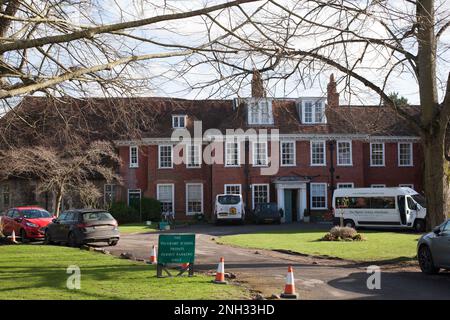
x: 229, y: 199
x: 366, y: 202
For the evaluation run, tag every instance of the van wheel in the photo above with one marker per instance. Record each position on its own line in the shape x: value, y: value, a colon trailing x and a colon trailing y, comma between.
x: 419, y: 225
x: 349, y: 223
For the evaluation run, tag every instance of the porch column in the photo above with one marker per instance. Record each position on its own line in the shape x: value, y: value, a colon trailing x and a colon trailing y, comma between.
x: 302, y: 201
x: 280, y: 200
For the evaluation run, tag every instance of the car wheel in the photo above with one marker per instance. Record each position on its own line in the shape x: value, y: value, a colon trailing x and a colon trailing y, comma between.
x: 113, y: 243
x: 349, y: 223
x: 426, y: 260
x: 71, y: 240
x: 419, y: 225
x: 23, y: 236
x: 47, y: 238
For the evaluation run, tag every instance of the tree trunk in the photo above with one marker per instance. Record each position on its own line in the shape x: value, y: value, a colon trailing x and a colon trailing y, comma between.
x: 59, y: 196
x: 435, y: 179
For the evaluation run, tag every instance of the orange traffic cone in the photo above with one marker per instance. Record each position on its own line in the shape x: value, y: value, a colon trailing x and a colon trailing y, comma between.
x: 289, y: 288
x: 153, y: 256
x: 220, y: 274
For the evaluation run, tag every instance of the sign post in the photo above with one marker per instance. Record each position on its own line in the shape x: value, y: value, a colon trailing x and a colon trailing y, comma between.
x: 175, y: 248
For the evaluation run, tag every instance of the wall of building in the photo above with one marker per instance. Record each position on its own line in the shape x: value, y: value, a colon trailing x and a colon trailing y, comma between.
x: 214, y: 177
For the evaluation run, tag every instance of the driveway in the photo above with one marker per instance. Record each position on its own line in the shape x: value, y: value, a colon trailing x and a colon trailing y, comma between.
x: 264, y: 271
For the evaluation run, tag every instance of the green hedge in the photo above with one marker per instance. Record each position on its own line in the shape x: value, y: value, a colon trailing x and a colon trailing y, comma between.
x: 123, y: 213
x: 150, y: 211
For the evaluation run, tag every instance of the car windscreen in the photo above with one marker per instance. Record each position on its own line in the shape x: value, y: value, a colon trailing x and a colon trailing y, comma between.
x: 97, y: 216
x: 35, y: 214
x: 229, y: 199
x: 420, y: 199
x: 268, y: 206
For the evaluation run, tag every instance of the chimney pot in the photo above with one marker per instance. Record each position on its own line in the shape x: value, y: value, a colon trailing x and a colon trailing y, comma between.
x: 258, y: 90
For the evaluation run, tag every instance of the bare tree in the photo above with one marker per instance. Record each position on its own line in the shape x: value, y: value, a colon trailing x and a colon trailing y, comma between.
x: 64, y: 171
x: 371, y: 44
x: 59, y: 46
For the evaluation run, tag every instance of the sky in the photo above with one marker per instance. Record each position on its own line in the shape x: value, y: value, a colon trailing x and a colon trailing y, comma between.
x: 168, y: 77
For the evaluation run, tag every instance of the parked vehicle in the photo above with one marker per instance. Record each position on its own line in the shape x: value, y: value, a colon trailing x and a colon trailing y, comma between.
x: 380, y: 207
x: 28, y: 223
x: 76, y: 227
x: 267, y: 212
x: 229, y: 207
x: 433, y: 249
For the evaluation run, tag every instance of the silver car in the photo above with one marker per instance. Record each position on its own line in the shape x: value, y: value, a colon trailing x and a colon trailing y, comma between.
x: 433, y: 249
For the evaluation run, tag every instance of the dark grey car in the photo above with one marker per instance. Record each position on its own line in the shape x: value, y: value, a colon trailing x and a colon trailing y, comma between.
x: 267, y: 212
x: 433, y: 249
x: 76, y: 227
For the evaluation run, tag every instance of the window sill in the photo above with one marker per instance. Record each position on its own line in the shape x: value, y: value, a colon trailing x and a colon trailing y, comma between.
x: 163, y: 168
x: 318, y: 165
x: 288, y: 165
x: 345, y: 165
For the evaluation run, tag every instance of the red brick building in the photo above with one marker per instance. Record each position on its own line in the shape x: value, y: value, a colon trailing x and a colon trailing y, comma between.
x: 322, y: 146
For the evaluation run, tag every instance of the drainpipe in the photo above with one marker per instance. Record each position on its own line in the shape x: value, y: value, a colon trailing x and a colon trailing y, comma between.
x: 247, y: 175
x: 332, y: 170
x: 211, y: 191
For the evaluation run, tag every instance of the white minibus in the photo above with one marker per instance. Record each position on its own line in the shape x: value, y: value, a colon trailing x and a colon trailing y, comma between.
x: 229, y: 207
x: 380, y: 207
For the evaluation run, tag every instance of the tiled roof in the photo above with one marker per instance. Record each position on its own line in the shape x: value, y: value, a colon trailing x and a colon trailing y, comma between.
x: 52, y: 122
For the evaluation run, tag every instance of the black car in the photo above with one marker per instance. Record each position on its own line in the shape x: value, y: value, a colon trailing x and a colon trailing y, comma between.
x: 267, y: 212
x: 76, y: 227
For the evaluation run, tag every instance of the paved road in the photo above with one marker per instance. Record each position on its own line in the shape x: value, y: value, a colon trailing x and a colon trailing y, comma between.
x: 315, y: 278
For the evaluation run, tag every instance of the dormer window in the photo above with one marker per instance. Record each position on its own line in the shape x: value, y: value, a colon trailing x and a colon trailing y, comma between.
x: 260, y: 112
x: 313, y: 111
x: 178, y: 121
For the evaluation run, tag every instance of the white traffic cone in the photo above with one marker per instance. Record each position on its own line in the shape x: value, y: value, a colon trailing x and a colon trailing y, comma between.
x: 13, y: 237
x: 153, y: 255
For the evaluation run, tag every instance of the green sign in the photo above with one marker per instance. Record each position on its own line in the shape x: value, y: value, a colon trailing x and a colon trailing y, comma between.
x: 176, y: 248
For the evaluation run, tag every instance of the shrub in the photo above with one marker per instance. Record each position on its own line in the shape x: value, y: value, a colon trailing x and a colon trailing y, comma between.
x: 343, y: 234
x: 150, y: 209
x: 123, y: 213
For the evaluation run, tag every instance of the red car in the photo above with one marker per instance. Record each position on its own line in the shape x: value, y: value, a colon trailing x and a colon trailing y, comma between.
x: 27, y: 222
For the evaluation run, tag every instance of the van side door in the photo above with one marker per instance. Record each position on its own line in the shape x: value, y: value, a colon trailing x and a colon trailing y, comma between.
x: 402, y: 209
x: 411, y: 211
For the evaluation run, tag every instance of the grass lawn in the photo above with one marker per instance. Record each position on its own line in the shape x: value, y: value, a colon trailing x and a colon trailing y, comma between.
x: 39, y: 272
x: 137, y: 228
x: 379, y: 246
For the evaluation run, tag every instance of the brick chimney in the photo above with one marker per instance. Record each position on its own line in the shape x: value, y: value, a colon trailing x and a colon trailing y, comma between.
x: 332, y: 94
x: 258, y: 90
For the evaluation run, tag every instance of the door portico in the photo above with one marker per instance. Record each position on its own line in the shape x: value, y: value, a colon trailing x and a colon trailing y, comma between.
x: 284, y: 184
